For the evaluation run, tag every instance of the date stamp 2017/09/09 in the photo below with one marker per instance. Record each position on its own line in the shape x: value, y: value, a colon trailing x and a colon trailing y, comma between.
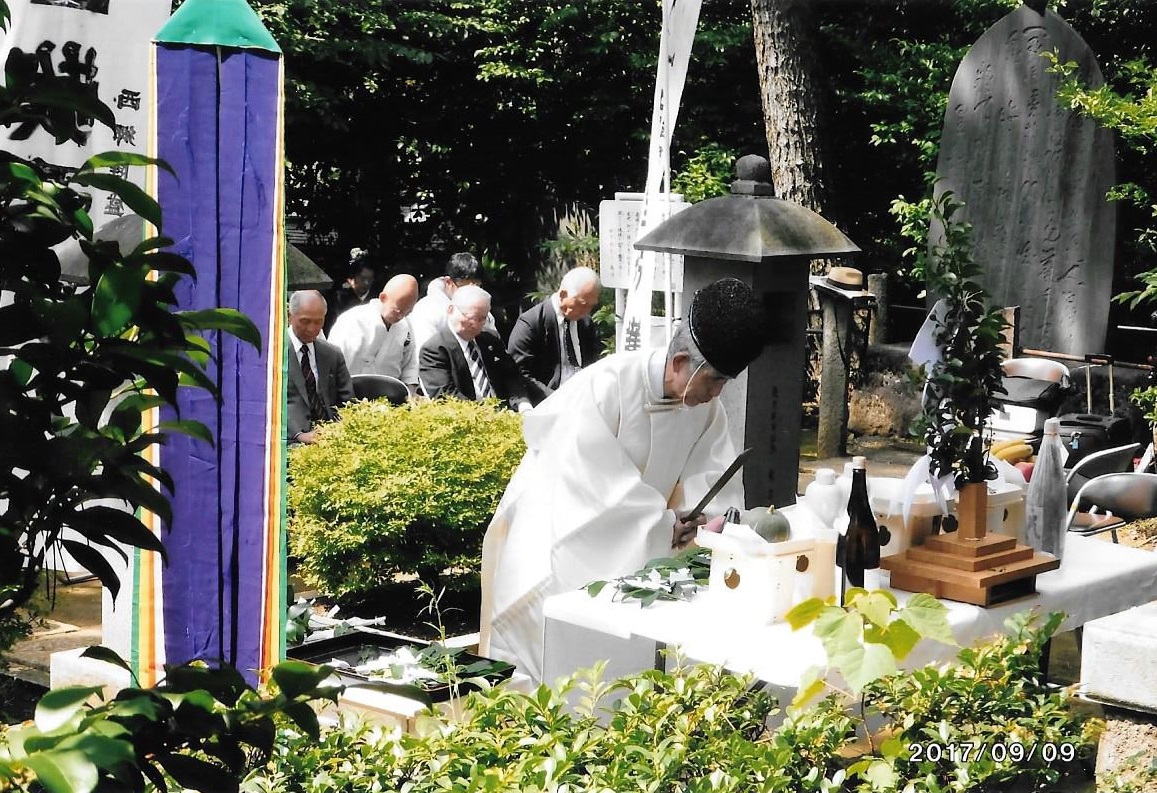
x: 966, y: 752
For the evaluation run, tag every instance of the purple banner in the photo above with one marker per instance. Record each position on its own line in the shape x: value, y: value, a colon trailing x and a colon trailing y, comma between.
x: 218, y: 127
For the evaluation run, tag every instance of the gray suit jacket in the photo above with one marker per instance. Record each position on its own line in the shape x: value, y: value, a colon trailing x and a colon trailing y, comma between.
x: 333, y: 386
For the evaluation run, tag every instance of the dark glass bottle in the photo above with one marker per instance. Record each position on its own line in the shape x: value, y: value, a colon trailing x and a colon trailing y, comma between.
x: 859, y: 549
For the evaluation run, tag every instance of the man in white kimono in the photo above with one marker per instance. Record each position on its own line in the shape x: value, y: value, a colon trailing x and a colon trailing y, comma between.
x: 615, y: 459
x: 376, y: 338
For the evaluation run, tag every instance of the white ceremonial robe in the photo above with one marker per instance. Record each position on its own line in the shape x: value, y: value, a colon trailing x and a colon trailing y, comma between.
x: 369, y: 347
x: 595, y: 496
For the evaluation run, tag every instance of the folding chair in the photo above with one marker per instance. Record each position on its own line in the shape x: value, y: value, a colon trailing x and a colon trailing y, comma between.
x: 1107, y: 461
x: 1108, y: 502
x: 376, y: 386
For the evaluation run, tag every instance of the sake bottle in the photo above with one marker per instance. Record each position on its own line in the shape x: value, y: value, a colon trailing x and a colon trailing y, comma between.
x: 1046, y: 502
x: 858, y: 550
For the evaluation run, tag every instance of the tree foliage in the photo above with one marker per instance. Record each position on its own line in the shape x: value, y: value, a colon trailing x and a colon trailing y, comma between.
x: 484, y: 119
x: 446, y: 125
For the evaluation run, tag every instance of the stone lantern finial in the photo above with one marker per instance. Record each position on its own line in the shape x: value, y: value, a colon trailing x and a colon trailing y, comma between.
x: 752, y: 176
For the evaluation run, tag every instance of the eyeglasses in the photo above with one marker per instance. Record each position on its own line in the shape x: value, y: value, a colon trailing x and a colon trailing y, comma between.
x: 478, y: 320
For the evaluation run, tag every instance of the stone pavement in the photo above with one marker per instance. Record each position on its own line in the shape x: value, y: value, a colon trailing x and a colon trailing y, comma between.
x: 886, y: 456
x: 75, y: 621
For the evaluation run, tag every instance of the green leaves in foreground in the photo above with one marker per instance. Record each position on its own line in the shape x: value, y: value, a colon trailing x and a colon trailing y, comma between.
x: 201, y: 727
x: 865, y: 639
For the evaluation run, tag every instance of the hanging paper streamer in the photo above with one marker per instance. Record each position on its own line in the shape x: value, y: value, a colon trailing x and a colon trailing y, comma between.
x: 680, y: 18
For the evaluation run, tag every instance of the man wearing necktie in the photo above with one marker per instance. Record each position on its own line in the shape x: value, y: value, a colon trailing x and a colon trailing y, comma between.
x: 319, y: 382
x: 464, y: 361
x: 555, y: 338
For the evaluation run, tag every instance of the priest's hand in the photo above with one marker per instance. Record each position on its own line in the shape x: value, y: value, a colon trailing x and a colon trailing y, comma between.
x: 685, y: 528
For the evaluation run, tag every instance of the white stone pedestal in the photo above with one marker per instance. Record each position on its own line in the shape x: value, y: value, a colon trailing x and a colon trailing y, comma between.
x: 1119, y: 658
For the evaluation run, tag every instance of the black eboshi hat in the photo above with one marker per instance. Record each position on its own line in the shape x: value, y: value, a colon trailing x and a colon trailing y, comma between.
x: 728, y: 325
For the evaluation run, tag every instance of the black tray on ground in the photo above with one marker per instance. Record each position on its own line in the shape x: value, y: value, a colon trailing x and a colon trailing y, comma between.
x: 358, y: 646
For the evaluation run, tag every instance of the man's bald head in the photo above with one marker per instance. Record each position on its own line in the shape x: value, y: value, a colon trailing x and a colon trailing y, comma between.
x: 398, y: 298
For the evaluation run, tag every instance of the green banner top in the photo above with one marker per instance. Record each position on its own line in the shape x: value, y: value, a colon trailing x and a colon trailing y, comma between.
x: 222, y: 23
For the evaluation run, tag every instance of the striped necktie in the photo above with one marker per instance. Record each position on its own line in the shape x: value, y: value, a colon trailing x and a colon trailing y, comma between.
x: 316, y: 408
x: 482, y: 387
x: 568, y: 344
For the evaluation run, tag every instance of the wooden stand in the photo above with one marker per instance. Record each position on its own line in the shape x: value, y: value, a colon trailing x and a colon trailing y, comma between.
x: 970, y: 565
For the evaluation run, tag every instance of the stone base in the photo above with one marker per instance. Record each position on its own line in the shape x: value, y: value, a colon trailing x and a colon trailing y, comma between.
x: 68, y: 668
x: 1119, y: 658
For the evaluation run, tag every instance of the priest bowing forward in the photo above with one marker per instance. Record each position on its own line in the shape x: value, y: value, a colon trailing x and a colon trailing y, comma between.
x: 615, y: 460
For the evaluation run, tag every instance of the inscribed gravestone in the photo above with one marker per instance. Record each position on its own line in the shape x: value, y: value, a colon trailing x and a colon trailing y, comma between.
x: 1033, y: 177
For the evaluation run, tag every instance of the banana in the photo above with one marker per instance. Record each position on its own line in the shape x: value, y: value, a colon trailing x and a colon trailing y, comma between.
x: 1004, y: 444
x: 1016, y: 453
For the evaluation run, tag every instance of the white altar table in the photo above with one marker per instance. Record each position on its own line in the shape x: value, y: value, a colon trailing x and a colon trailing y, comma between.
x: 1096, y: 578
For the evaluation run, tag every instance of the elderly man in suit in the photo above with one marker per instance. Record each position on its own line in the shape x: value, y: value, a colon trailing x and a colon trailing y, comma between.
x: 464, y: 361
x: 555, y: 338
x: 429, y: 315
x: 319, y: 382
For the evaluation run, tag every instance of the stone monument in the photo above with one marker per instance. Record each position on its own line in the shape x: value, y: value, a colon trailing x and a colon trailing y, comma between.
x: 1033, y: 176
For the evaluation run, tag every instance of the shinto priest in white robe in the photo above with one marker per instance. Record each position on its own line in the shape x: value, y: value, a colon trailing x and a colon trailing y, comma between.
x: 609, y: 462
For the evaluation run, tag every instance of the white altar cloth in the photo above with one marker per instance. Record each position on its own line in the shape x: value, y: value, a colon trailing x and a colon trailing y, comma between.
x: 1096, y: 578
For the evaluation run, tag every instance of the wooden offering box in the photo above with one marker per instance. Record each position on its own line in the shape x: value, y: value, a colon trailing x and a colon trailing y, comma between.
x: 970, y: 565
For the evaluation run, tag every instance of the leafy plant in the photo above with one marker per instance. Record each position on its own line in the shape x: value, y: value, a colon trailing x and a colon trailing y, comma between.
x: 668, y: 578
x: 962, y: 383
x: 201, y: 728
x: 1146, y: 400
x: 991, y: 716
x: 699, y: 729
x: 405, y: 490
x: 865, y: 638
x: 706, y: 174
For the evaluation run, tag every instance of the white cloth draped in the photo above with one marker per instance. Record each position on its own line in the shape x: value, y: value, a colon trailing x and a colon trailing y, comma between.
x: 607, y: 467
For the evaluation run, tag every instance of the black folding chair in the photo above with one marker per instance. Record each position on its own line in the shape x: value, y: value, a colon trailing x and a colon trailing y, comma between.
x: 377, y: 386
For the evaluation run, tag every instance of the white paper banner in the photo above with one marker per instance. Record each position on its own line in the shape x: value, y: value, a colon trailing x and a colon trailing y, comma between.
x: 680, y: 18
x: 91, y: 42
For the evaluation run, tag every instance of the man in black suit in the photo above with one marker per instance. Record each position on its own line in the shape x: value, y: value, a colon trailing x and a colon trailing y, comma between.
x: 463, y: 361
x: 555, y: 338
x: 319, y: 382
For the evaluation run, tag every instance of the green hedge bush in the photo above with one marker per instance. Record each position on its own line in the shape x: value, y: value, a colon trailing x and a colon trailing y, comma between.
x: 700, y: 730
x: 389, y: 491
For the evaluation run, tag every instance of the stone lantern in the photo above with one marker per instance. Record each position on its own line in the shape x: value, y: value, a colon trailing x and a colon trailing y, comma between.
x: 767, y: 243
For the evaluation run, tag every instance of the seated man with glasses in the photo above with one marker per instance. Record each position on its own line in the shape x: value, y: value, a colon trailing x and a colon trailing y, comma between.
x: 429, y: 315
x: 554, y: 339
x: 464, y: 361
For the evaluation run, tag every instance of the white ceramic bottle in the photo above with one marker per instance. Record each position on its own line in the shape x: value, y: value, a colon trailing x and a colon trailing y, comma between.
x: 827, y: 501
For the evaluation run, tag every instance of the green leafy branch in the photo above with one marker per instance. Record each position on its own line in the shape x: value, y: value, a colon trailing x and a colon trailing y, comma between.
x: 963, y: 383
x: 865, y: 639
x: 200, y: 727
x: 667, y: 578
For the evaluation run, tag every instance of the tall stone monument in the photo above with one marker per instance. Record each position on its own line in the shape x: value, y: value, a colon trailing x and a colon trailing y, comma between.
x: 1033, y: 176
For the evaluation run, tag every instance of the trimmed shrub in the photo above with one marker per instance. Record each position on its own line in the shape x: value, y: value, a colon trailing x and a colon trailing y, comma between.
x: 389, y: 491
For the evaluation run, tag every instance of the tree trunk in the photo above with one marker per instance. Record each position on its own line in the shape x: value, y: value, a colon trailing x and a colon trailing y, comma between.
x: 790, y: 113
